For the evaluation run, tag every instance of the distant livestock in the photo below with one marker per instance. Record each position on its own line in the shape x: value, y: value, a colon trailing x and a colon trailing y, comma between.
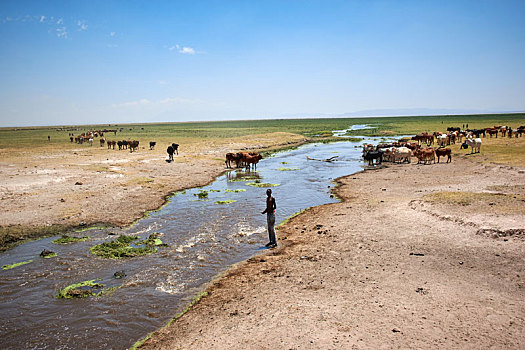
x: 170, y: 151
x: 372, y: 156
x: 444, y: 152
x: 233, y: 157
x: 133, y: 145
x: 175, y: 148
x: 474, y: 143
x: 152, y: 145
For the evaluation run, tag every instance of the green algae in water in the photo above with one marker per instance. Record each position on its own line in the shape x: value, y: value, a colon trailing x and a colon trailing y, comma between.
x: 261, y: 184
x: 285, y: 163
x: 154, y: 240
x: 287, y: 169
x: 235, y: 191
x: 84, y: 289
x: 121, y: 248
x: 244, y: 178
x: 201, y: 194
x: 65, y: 239
x: 12, y: 266
x: 228, y: 201
x: 49, y: 256
x: 214, y: 190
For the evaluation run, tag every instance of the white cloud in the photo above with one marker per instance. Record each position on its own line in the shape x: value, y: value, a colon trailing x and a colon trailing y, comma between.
x: 60, y: 21
x: 185, y: 50
x: 163, y: 82
x: 141, y: 102
x: 112, y: 34
x: 182, y: 49
x: 179, y: 100
x: 42, y: 19
x: 82, y: 25
x: 62, y: 32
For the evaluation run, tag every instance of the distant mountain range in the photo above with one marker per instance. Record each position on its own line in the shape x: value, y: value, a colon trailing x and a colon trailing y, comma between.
x: 400, y: 112
x: 419, y: 111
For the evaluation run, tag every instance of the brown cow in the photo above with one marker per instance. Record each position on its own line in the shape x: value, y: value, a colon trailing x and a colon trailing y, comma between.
x: 133, y: 145
x: 425, y: 155
x: 249, y: 160
x: 442, y: 152
x: 235, y: 157
x: 492, y: 132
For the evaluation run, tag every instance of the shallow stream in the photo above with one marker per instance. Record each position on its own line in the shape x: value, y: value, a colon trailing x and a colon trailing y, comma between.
x: 204, y: 238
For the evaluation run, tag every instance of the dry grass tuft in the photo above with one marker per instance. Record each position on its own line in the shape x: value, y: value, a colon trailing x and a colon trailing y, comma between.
x: 497, y: 203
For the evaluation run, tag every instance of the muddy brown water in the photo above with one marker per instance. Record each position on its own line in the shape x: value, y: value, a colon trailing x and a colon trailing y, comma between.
x: 204, y: 238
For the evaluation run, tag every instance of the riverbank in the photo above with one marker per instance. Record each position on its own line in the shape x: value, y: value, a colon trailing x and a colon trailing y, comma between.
x: 415, y: 256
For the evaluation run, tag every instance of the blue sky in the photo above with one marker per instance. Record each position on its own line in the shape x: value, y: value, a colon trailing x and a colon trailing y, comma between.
x: 80, y: 62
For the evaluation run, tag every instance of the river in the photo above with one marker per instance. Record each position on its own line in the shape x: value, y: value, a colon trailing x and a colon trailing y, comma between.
x: 204, y: 238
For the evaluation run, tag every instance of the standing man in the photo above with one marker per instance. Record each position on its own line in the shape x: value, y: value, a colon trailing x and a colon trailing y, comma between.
x: 270, y: 218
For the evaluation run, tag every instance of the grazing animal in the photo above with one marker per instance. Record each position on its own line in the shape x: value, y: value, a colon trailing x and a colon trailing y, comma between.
x: 425, y: 155
x: 102, y: 141
x: 252, y: 160
x: 120, y: 145
x: 450, y: 128
x: 125, y: 144
x: 370, y: 156
x: 91, y: 141
x: 133, y: 145
x: 152, y: 145
x: 442, y: 152
x: 401, y: 154
x: 492, y: 132
x: 71, y: 138
x: 175, y: 147
x: 235, y: 157
x: 170, y: 151
x: 474, y: 143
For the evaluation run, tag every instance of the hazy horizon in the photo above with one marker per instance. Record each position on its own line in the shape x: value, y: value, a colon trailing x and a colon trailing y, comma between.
x: 99, y: 62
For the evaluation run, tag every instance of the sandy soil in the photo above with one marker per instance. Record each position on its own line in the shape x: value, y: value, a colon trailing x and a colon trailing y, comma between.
x: 385, y: 268
x: 78, y: 184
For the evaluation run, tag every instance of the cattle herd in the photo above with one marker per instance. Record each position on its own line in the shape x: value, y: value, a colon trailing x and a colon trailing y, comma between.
x: 243, y: 159
x: 132, y: 145
x: 420, y: 145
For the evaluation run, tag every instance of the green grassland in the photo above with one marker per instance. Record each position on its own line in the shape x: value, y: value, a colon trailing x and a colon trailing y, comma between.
x: 318, y: 128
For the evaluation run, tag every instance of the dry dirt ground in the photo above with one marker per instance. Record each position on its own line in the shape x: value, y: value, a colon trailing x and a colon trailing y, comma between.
x: 74, y: 184
x: 400, y: 263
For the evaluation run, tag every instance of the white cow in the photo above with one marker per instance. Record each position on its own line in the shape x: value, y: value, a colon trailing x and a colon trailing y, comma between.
x: 401, y: 154
x: 474, y: 143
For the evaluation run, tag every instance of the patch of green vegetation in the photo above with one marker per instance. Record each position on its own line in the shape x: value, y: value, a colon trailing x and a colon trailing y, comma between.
x: 49, y: 256
x: 499, y: 203
x: 65, y: 239
x: 84, y: 289
x: 90, y: 228
x: 244, y: 178
x: 121, y: 248
x: 261, y: 184
x: 235, y: 191
x: 12, y: 266
x: 202, y: 194
x: 194, y: 302
x: 214, y: 190
x: 285, y: 163
x: 287, y: 169
x: 228, y: 201
x: 154, y: 240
